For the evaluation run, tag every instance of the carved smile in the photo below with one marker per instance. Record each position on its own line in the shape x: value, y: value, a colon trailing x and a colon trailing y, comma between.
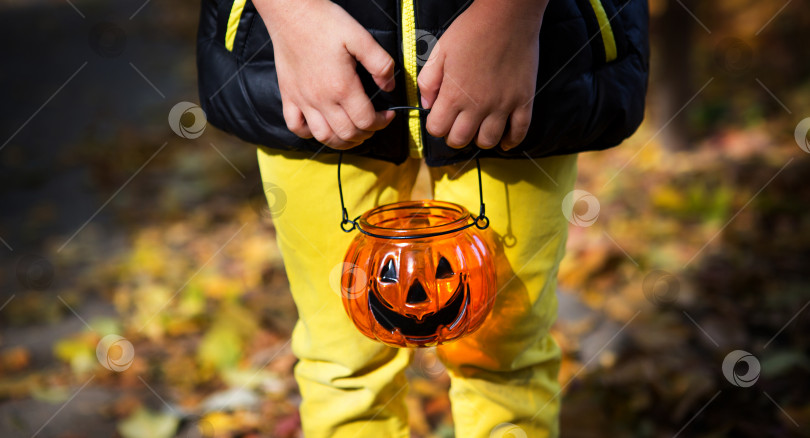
x: 448, y: 316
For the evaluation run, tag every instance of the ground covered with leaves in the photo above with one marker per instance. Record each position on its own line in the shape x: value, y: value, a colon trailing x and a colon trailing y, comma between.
x: 719, y: 235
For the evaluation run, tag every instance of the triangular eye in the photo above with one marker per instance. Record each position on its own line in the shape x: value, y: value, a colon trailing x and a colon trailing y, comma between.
x: 444, y: 270
x: 389, y: 272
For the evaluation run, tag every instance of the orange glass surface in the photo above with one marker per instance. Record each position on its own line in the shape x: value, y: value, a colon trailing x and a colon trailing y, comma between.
x: 418, y: 291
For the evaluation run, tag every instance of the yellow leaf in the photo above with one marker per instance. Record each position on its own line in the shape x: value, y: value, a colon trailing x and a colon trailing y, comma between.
x: 145, y: 424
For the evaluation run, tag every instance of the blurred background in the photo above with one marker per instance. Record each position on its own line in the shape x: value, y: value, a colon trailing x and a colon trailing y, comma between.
x: 142, y: 294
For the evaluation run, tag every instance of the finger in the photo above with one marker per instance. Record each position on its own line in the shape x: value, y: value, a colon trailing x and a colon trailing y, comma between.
x: 342, y: 125
x: 361, y: 112
x: 323, y: 132
x: 463, y: 130
x: 491, y: 131
x: 295, y: 120
x: 430, y: 78
x: 374, y: 58
x: 518, y: 127
x: 441, y: 118
x: 317, y: 125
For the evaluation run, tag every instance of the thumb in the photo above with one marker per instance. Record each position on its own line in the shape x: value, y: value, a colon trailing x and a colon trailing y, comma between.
x: 430, y: 78
x: 374, y: 58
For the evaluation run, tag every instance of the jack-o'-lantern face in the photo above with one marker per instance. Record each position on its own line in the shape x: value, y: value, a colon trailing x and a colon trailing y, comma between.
x: 418, y: 291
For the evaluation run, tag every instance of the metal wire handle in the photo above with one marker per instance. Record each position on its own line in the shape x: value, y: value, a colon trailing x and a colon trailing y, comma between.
x: 481, y: 221
x: 395, y: 108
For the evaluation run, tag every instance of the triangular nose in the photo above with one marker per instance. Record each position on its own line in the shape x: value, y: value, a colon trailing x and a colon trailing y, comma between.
x: 416, y: 293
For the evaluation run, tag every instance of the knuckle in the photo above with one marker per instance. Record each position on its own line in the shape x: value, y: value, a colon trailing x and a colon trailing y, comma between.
x: 322, y: 135
x: 456, y: 141
x: 299, y: 131
x: 515, y: 137
x: 343, y: 145
x: 338, y: 89
x: 486, y: 141
x: 365, y: 121
x: 294, y: 125
x: 520, y: 123
x: 346, y: 133
x: 457, y: 99
x: 386, y: 66
x: 436, y: 124
x: 424, y: 84
x: 519, y: 132
x: 435, y: 129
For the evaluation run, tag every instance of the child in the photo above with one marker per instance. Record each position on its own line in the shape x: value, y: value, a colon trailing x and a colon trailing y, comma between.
x: 498, y: 88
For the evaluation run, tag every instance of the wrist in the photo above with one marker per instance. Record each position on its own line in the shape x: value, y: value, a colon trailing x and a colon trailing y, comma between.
x: 280, y: 13
x: 526, y: 15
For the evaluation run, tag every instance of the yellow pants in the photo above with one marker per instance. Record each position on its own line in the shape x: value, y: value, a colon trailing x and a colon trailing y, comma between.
x: 504, y: 376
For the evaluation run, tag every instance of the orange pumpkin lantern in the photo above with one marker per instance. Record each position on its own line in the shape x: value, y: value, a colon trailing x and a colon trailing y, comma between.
x: 420, y: 274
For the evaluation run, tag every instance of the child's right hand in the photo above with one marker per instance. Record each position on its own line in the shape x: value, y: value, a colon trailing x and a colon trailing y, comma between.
x: 317, y: 45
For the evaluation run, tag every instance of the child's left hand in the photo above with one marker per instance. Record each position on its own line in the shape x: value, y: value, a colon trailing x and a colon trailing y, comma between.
x: 483, y: 73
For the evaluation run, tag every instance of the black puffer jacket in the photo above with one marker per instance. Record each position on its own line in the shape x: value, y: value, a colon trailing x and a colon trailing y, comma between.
x: 592, y: 78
